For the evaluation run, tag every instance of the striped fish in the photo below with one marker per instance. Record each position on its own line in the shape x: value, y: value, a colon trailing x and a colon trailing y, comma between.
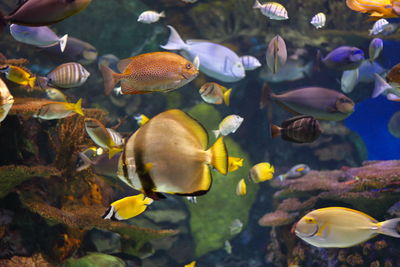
x: 67, y: 75
x: 250, y: 62
x: 150, y: 16
x: 213, y: 93
x: 299, y: 129
x: 378, y: 27
x: 272, y: 10
x: 319, y: 20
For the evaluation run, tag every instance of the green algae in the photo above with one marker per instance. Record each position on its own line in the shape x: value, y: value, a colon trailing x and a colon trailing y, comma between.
x: 95, y: 260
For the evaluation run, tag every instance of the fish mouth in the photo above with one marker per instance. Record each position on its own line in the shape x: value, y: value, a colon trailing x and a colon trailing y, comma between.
x: 305, y: 235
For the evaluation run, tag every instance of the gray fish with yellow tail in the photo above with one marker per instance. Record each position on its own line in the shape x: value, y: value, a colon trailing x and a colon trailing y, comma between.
x: 104, y: 137
x: 214, y: 93
x: 337, y: 227
x: 6, y: 100
x: 169, y: 154
x: 67, y: 75
x: 299, y: 129
x: 276, y: 54
x: 127, y: 207
x: 150, y: 72
x: 319, y: 102
x: 295, y: 172
x: 59, y: 110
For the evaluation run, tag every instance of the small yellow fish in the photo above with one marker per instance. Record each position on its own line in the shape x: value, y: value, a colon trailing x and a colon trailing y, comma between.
x: 213, y: 93
x: 59, y: 110
x: 6, y: 100
x: 241, y: 188
x: 337, y: 227
x: 192, y: 264
x: 56, y: 95
x: 127, y: 207
x: 141, y: 119
x: 234, y: 163
x: 262, y: 172
x: 19, y: 75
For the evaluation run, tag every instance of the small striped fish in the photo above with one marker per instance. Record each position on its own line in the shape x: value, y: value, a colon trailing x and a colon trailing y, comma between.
x: 299, y: 129
x: 250, y: 62
x: 150, y: 16
x: 378, y: 27
x: 318, y: 21
x: 272, y: 10
x: 68, y: 75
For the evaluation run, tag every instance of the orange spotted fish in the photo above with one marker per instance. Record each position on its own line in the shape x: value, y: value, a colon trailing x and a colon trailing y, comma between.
x: 151, y: 72
x: 378, y: 9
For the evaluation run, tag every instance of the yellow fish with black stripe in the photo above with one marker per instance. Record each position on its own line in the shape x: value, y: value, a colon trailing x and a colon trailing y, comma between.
x: 169, y: 154
x: 19, y: 75
x: 127, y: 207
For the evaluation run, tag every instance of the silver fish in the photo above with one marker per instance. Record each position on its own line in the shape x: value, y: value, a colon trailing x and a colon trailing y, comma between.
x: 272, y: 10
x: 250, y: 62
x: 319, y: 20
x: 150, y: 16
x: 67, y: 75
x: 378, y: 27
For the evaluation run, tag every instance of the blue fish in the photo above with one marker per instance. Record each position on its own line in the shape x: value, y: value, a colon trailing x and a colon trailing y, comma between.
x: 216, y: 61
x: 375, y: 48
x: 344, y: 58
x: 37, y: 36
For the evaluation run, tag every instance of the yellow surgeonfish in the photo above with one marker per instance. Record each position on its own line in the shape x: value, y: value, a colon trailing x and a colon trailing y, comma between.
x: 19, y: 75
x: 262, y: 172
x: 59, y: 110
x: 127, y: 207
x: 337, y: 227
x: 192, y: 264
x: 378, y: 9
x: 241, y: 188
x: 234, y: 163
x: 141, y: 119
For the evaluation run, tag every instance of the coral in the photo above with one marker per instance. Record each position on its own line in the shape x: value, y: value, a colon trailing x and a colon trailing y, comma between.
x: 95, y: 260
x: 34, y: 260
x: 276, y: 218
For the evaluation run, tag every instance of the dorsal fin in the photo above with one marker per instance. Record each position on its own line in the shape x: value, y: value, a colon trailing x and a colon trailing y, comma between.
x: 123, y: 63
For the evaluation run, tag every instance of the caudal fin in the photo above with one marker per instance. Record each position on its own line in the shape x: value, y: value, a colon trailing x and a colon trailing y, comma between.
x: 113, y: 151
x: 78, y: 107
x: 162, y: 14
x: 219, y: 156
x: 32, y: 81
x: 227, y: 96
x: 63, y: 42
x: 257, y: 4
x: 380, y: 86
x: 86, y: 162
x: 390, y: 227
x: 108, y: 79
x: 175, y: 42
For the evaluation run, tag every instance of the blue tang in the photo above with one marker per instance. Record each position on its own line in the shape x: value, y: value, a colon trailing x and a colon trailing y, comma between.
x: 216, y: 61
x: 344, y: 58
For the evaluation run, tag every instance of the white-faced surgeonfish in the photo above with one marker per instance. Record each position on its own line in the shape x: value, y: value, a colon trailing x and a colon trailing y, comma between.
x: 299, y: 129
x: 6, y: 100
x: 127, y: 207
x: 228, y: 125
x: 104, y: 137
x: 169, y: 154
x: 337, y: 227
x: 321, y: 103
x: 295, y: 172
x: 276, y: 54
x: 216, y: 61
x: 344, y: 58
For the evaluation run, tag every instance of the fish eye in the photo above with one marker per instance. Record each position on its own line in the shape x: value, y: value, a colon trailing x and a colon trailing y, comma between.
x: 188, y: 66
x: 310, y: 220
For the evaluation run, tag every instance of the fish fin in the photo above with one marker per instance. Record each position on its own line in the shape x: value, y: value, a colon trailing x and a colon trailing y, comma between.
x: 162, y: 14
x: 216, y: 133
x: 86, y: 162
x: 175, y: 42
x: 32, y: 81
x: 257, y: 4
x: 108, y: 78
x: 288, y: 109
x: 128, y: 89
x: 123, y: 64
x: 380, y: 86
x: 227, y: 96
x: 219, y: 156
x: 275, y: 131
x: 113, y: 151
x: 204, y: 183
x: 78, y: 107
x: 63, y: 42
x: 109, y: 213
x: 389, y: 227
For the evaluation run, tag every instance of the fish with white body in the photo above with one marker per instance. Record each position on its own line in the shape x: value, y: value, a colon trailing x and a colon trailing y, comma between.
x: 272, y: 10
x: 319, y: 20
x: 250, y: 62
x: 378, y: 27
x: 228, y: 125
x: 150, y: 16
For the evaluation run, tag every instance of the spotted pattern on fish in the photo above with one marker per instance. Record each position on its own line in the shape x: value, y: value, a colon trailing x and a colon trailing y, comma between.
x: 319, y: 20
x: 68, y: 75
x: 378, y: 27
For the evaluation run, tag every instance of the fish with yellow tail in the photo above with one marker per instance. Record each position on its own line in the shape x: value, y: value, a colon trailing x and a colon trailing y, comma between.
x: 6, y: 100
x: 262, y: 172
x: 192, y: 264
x: 337, y: 227
x: 59, y: 110
x: 104, y: 137
x: 150, y: 72
x: 141, y: 119
x: 170, y: 154
x: 241, y: 188
x: 214, y: 93
x: 228, y: 125
x: 127, y: 207
x: 19, y: 75
x: 377, y: 9
x: 234, y: 163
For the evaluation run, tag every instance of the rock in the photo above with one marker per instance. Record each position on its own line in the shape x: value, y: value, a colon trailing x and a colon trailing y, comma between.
x: 95, y: 260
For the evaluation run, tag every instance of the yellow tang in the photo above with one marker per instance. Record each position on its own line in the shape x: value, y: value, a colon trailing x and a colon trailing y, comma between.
x: 262, y: 172
x: 127, y: 207
x: 169, y: 154
x: 337, y: 227
x: 19, y: 75
x: 241, y: 188
x: 234, y: 163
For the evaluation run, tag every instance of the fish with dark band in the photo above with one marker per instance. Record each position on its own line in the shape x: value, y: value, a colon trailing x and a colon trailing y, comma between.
x: 299, y: 129
x: 67, y: 75
x: 213, y: 93
x: 19, y: 75
x: 169, y: 154
x: 276, y: 54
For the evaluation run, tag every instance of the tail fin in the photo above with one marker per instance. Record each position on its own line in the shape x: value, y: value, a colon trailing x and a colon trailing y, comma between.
x: 390, y: 227
x: 32, y: 81
x: 216, y: 133
x: 219, y: 156
x: 275, y: 131
x: 109, y: 80
x: 392, y: 97
x: 78, y: 107
x: 63, y: 42
x: 308, y: 69
x: 113, y: 151
x: 86, y: 162
x: 162, y: 14
x: 257, y: 4
x: 227, y: 96
x: 380, y: 86
x: 175, y: 42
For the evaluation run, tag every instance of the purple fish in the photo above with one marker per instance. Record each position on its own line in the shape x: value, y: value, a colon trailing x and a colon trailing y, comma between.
x: 375, y: 48
x: 344, y: 58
